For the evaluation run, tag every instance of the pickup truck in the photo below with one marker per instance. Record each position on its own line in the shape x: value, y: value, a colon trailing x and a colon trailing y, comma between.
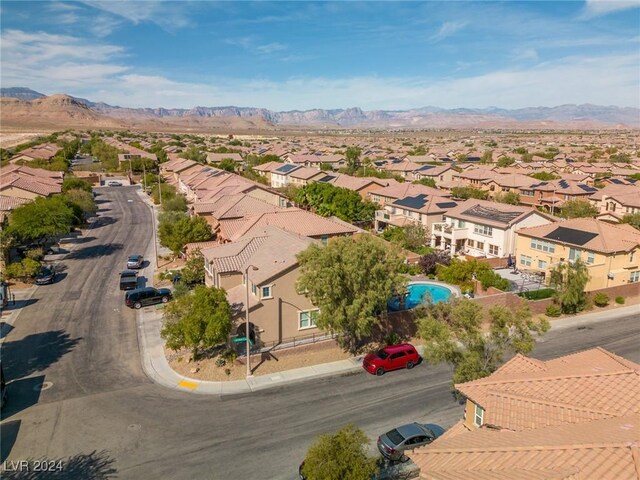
x: 128, y: 280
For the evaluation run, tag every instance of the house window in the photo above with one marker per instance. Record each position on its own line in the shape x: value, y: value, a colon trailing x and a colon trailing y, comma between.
x: 480, y: 246
x: 254, y: 289
x: 542, y: 265
x: 461, y: 224
x: 525, y: 260
x: 376, y: 198
x: 631, y: 255
x: 634, y: 277
x: 471, y: 243
x: 324, y: 239
x: 266, y: 292
x: 483, y: 230
x: 527, y: 193
x: 307, y: 318
x: 591, y: 258
x: 479, y: 416
x: 542, y: 245
x: 574, y: 254
x: 493, y: 249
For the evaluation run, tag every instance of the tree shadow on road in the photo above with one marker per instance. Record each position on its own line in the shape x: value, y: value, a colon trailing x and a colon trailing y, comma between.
x: 35, y: 353
x: 103, y: 221
x: 21, y: 394
x: 95, y: 251
x: 8, y: 436
x: 91, y: 466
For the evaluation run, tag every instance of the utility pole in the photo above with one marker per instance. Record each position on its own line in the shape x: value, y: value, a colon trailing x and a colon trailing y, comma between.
x: 144, y: 178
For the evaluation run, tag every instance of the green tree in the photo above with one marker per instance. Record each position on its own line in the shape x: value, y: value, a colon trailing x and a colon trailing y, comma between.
x: 25, y: 269
x: 570, y: 280
x: 75, y: 183
x: 544, y: 176
x: 465, y: 193
x: 195, y: 154
x: 227, y: 164
x: 632, y: 219
x: 350, y: 280
x: 164, y: 190
x: 487, y: 157
x: 193, y: 270
x: 412, y: 237
x: 511, y: 198
x: 175, y: 204
x: 82, y: 201
x: 352, y: 156
x: 341, y: 456
x: 176, y: 229
x: 461, y: 272
x: 197, y: 321
x: 327, y: 200
x: 454, y: 334
x: 44, y: 217
x: 505, y: 161
x: 578, y: 209
x: 427, y: 181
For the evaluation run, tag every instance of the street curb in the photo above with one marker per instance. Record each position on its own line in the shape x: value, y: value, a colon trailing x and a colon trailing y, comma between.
x: 594, y: 317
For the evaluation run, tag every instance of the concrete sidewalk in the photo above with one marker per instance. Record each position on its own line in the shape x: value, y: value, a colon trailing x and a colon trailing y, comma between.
x: 157, y: 367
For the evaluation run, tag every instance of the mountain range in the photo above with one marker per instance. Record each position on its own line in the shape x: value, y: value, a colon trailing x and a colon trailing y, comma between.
x: 18, y: 103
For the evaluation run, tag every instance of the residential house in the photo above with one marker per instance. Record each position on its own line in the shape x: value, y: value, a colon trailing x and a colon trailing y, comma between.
x: 616, y: 200
x: 265, y: 169
x: 611, y: 252
x: 574, y: 417
x: 19, y: 181
x: 304, y: 176
x: 280, y: 176
x: 45, y: 151
x: 396, y: 191
x: 264, y: 262
x: 474, y: 177
x: 481, y: 228
x: 507, y: 183
x: 439, y: 173
x: 402, y: 168
x: 420, y: 209
x: 362, y: 185
x: 216, y: 158
x: 9, y: 203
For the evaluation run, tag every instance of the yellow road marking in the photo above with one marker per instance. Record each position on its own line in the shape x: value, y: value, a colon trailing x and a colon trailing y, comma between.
x: 187, y: 384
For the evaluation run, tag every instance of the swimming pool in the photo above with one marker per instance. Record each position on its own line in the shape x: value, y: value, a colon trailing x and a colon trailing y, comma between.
x: 419, y: 292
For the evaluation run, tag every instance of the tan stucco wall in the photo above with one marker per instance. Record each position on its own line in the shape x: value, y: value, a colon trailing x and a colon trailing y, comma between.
x: 278, y: 316
x: 616, y: 263
x: 265, y: 196
x: 19, y: 193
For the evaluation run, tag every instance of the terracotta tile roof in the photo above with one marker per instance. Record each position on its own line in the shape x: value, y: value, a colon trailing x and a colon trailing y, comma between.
x: 268, y: 167
x: 240, y: 205
x: 612, y: 189
x: 306, y: 173
x: 609, y: 238
x: 218, y: 157
x: 291, y: 219
x: 402, y: 190
x: 601, y: 449
x: 356, y: 183
x: 9, y: 203
x: 512, y: 180
x: 30, y: 184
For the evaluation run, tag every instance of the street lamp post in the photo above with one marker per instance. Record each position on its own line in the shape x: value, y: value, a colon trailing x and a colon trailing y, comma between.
x: 246, y: 306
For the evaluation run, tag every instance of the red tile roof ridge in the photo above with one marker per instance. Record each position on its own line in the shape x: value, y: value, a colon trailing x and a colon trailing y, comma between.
x: 520, y: 358
x: 479, y: 383
x: 537, y: 448
x: 550, y: 403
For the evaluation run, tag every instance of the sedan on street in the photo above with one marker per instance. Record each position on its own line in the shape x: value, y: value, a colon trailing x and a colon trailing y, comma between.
x: 394, y: 443
x: 45, y: 276
x: 135, y: 261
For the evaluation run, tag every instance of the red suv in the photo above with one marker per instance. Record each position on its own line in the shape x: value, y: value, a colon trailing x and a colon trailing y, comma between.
x: 392, y: 357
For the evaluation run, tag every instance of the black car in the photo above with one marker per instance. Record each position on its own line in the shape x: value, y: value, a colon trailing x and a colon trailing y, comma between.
x: 45, y: 275
x: 128, y: 280
x: 141, y: 297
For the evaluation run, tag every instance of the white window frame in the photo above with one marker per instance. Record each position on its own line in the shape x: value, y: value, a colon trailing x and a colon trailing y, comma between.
x: 631, y: 255
x: 312, y: 322
x: 634, y: 276
x: 270, y: 291
x: 478, y: 415
x: 542, y: 246
x: 494, y: 250
x: 484, y: 230
x: 591, y: 258
x: 574, y: 254
x: 525, y: 260
x: 542, y: 265
x: 480, y: 245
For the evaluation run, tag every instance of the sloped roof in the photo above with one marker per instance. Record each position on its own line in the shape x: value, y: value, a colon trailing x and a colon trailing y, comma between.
x: 606, y: 238
x: 495, y: 214
x: 401, y: 190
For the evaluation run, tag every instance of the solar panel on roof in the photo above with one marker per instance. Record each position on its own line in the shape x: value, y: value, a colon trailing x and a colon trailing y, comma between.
x: 447, y: 204
x: 418, y: 201
x: 326, y: 178
x: 563, y: 184
x: 616, y: 181
x: 587, y: 188
x: 490, y: 213
x: 570, y: 235
x: 286, y: 168
x: 425, y: 168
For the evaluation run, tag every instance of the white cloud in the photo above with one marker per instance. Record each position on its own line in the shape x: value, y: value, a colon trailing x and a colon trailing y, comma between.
x: 103, y: 25
x: 446, y: 30
x: 270, y: 48
x: 251, y: 45
x: 596, y: 8
x: 168, y: 15
x: 526, y: 54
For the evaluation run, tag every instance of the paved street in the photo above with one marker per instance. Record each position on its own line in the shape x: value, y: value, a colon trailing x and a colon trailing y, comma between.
x: 101, y: 414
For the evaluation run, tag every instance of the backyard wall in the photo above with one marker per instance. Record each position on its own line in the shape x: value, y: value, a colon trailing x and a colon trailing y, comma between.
x: 629, y: 290
x: 492, y: 262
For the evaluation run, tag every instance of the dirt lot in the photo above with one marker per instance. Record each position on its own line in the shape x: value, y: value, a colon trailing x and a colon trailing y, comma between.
x: 278, y: 361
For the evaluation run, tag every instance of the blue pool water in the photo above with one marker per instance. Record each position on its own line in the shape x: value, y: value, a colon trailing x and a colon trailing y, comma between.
x: 418, y: 293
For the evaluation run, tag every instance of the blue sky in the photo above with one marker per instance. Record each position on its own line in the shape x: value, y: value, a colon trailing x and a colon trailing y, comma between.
x: 303, y: 55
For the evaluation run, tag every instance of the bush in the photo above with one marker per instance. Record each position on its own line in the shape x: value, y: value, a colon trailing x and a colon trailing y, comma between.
x: 601, y: 299
x: 538, y: 294
x: 620, y: 300
x: 553, y: 311
x: 220, y: 362
x: 229, y: 355
x: 27, y: 268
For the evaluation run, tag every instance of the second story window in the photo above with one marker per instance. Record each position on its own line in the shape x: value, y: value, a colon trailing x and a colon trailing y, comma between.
x: 574, y: 254
x: 265, y: 292
x: 478, y: 418
x: 483, y: 230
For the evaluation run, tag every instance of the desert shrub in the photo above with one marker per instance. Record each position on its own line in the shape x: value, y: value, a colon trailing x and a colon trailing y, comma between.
x: 229, y: 355
x: 26, y: 268
x: 601, y: 299
x: 620, y: 300
x: 538, y: 294
x: 220, y: 362
x: 553, y: 311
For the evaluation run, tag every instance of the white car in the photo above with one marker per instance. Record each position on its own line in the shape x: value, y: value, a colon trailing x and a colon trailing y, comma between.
x: 114, y: 183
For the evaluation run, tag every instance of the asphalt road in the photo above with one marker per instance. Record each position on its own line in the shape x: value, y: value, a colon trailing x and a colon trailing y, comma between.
x: 103, y: 418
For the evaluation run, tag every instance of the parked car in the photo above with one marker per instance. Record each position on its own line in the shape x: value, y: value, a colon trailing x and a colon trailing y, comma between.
x: 392, y: 357
x: 55, y: 250
x: 141, y: 297
x: 114, y: 183
x: 135, y: 261
x: 128, y: 280
x: 394, y: 443
x: 45, y: 275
